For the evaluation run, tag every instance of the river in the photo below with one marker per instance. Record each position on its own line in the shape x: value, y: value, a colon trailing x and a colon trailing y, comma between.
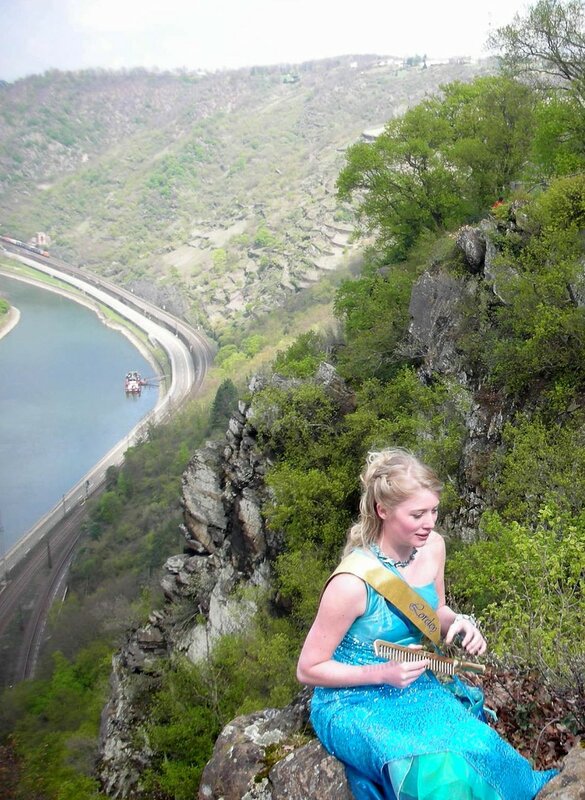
x: 62, y: 401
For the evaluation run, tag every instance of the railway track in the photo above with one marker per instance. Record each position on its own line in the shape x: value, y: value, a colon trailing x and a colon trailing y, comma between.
x: 33, y: 634
x: 32, y: 589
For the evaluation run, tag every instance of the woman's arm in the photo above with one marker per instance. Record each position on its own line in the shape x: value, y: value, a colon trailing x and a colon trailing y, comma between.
x: 343, y: 601
x: 453, y: 624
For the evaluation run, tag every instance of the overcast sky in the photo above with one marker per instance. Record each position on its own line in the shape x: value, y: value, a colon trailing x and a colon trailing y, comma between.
x: 212, y: 34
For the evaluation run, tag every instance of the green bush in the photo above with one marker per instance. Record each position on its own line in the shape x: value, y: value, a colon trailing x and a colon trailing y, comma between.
x: 526, y: 582
x: 540, y: 463
x: 311, y: 506
x: 301, y: 575
x: 181, y: 729
x: 264, y: 238
x: 55, y: 724
x: 373, y: 311
x: 301, y: 359
x: 297, y: 423
x: 224, y: 405
x: 242, y: 673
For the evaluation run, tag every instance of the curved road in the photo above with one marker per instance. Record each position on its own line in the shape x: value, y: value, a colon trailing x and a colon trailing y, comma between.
x: 43, y: 555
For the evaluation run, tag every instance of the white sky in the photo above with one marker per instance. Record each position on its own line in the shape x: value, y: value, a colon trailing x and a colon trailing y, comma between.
x: 212, y: 34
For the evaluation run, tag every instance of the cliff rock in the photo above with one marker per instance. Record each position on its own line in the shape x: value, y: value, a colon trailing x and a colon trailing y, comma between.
x: 570, y: 783
x: 227, y: 546
x: 441, y: 307
x: 266, y: 756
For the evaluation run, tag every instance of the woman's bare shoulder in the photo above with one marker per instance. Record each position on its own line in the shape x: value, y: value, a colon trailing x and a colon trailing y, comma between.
x: 436, y: 541
x: 346, y: 583
x: 344, y: 589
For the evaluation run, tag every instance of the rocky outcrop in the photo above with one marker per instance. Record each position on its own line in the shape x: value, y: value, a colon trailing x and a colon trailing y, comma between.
x: 266, y: 756
x: 124, y: 754
x: 436, y: 317
x: 227, y: 546
x: 443, y: 325
x: 473, y: 243
x: 570, y: 783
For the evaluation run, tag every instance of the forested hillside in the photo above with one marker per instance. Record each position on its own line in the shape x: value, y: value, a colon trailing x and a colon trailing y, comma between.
x: 212, y: 194
x: 462, y: 338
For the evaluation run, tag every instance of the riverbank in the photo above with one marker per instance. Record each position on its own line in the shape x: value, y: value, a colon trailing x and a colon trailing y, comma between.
x: 182, y: 379
x: 72, y: 294
x: 10, y: 321
x: 79, y: 493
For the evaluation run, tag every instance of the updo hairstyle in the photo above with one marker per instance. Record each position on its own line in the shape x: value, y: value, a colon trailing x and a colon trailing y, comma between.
x: 390, y: 476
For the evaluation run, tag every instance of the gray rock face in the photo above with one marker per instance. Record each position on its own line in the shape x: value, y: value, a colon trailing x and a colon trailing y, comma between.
x: 570, y: 783
x: 123, y: 752
x: 203, y: 508
x: 472, y: 242
x: 223, y: 492
x: 435, y: 319
x: 309, y: 772
x: 265, y: 756
x: 439, y: 320
x: 336, y: 388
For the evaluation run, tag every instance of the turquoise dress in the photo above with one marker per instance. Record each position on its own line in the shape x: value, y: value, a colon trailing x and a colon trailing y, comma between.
x: 417, y: 743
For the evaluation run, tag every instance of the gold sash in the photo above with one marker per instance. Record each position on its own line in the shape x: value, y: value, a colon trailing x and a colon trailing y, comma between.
x: 394, y: 589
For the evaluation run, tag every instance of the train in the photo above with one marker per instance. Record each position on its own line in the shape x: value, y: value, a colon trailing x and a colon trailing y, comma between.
x: 24, y: 245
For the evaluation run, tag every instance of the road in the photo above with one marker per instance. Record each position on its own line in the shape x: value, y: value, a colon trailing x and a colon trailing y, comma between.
x: 42, y: 557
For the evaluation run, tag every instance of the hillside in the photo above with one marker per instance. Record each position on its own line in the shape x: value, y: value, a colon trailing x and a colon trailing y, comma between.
x: 212, y: 194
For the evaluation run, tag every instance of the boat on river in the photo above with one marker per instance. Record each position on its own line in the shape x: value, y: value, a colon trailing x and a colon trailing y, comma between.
x: 133, y: 382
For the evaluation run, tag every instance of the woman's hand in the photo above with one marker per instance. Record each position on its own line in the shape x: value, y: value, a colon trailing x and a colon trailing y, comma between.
x: 400, y: 674
x: 472, y: 640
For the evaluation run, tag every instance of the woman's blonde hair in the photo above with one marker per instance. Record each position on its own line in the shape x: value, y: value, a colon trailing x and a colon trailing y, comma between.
x: 389, y: 477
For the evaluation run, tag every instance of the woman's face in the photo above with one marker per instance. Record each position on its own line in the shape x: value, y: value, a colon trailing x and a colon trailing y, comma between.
x: 410, y: 522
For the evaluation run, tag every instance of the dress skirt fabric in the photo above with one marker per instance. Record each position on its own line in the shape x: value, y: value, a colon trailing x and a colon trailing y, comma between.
x: 418, y: 743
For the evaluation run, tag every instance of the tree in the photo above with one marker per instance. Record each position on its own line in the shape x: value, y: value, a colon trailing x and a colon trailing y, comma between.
x: 374, y: 313
x: 548, y: 42
x: 541, y: 327
x: 402, y: 180
x: 302, y: 358
x: 492, y: 126
x: 224, y: 405
x: 526, y: 583
x: 441, y: 164
x: 559, y: 141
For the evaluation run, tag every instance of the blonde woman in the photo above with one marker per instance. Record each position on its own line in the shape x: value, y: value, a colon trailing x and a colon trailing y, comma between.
x: 401, y: 734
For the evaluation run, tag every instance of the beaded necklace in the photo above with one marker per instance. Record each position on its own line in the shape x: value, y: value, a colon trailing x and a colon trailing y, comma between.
x: 387, y: 561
